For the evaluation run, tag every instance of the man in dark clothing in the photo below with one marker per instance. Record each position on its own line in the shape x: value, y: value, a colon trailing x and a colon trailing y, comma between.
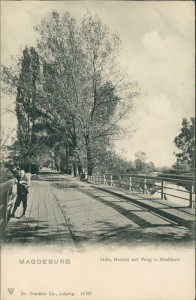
x: 15, y: 171
x: 22, y: 192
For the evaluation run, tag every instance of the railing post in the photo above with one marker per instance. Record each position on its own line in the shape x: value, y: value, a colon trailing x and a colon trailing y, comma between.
x: 130, y: 184
x: 104, y: 180
x: 162, y: 189
x: 145, y: 190
x: 111, y: 181
x: 119, y: 180
x: 191, y: 196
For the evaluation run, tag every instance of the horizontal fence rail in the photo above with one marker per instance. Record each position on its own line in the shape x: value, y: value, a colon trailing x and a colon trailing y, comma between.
x: 149, y: 185
x: 7, y: 198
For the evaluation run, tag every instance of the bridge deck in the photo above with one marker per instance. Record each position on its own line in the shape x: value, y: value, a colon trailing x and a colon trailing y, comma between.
x: 80, y: 216
x: 43, y: 223
x: 182, y: 215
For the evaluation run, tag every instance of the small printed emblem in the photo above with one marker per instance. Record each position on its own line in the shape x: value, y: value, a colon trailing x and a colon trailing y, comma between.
x: 10, y: 291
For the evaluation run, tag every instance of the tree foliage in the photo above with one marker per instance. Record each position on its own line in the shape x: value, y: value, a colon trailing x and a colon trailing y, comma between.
x: 71, y: 91
x: 140, y: 160
x: 26, y: 101
x: 86, y: 89
x: 185, y: 142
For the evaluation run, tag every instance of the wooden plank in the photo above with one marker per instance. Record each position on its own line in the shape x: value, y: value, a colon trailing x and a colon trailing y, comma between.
x: 44, y: 222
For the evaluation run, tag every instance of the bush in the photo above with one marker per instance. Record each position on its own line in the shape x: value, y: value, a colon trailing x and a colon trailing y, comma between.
x: 34, y: 168
x: 5, y: 174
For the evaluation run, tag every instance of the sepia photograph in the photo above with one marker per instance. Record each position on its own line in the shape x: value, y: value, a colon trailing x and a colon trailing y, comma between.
x: 97, y: 185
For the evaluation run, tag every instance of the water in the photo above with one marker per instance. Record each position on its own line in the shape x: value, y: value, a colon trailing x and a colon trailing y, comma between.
x: 175, y: 191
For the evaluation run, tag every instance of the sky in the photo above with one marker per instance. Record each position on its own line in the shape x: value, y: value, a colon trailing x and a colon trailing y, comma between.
x: 158, y: 47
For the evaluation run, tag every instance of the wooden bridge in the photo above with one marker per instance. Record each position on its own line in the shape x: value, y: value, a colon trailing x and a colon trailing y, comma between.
x: 65, y: 212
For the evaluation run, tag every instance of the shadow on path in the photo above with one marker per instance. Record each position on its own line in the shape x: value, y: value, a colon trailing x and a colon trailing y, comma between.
x: 146, y: 233
x: 41, y: 231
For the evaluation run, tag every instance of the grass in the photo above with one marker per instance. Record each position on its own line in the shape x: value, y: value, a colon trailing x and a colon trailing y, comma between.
x: 64, y: 185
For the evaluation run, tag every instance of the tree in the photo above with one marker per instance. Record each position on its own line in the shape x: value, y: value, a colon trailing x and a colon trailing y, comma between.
x: 6, y: 136
x: 73, y: 92
x: 151, y: 166
x: 110, y: 162
x: 90, y: 95
x: 141, y: 158
x: 26, y: 101
x: 185, y: 142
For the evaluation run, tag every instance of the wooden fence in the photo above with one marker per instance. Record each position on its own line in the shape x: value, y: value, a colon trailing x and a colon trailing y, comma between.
x: 149, y: 185
x: 7, y: 198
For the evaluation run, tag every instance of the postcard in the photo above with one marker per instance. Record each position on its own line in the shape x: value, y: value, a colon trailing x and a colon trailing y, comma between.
x: 97, y: 150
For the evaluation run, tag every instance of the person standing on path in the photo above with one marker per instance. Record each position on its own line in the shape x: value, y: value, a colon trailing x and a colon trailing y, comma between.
x: 23, y: 184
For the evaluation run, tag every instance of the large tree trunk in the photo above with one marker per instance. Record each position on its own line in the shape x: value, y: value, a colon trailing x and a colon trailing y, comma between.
x: 74, y: 169
x: 89, y: 161
x: 89, y: 156
x: 56, y: 163
x: 56, y: 158
x: 80, y: 169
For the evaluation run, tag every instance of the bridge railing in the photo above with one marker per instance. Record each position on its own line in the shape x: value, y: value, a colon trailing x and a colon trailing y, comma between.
x: 7, y: 197
x: 165, y: 187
